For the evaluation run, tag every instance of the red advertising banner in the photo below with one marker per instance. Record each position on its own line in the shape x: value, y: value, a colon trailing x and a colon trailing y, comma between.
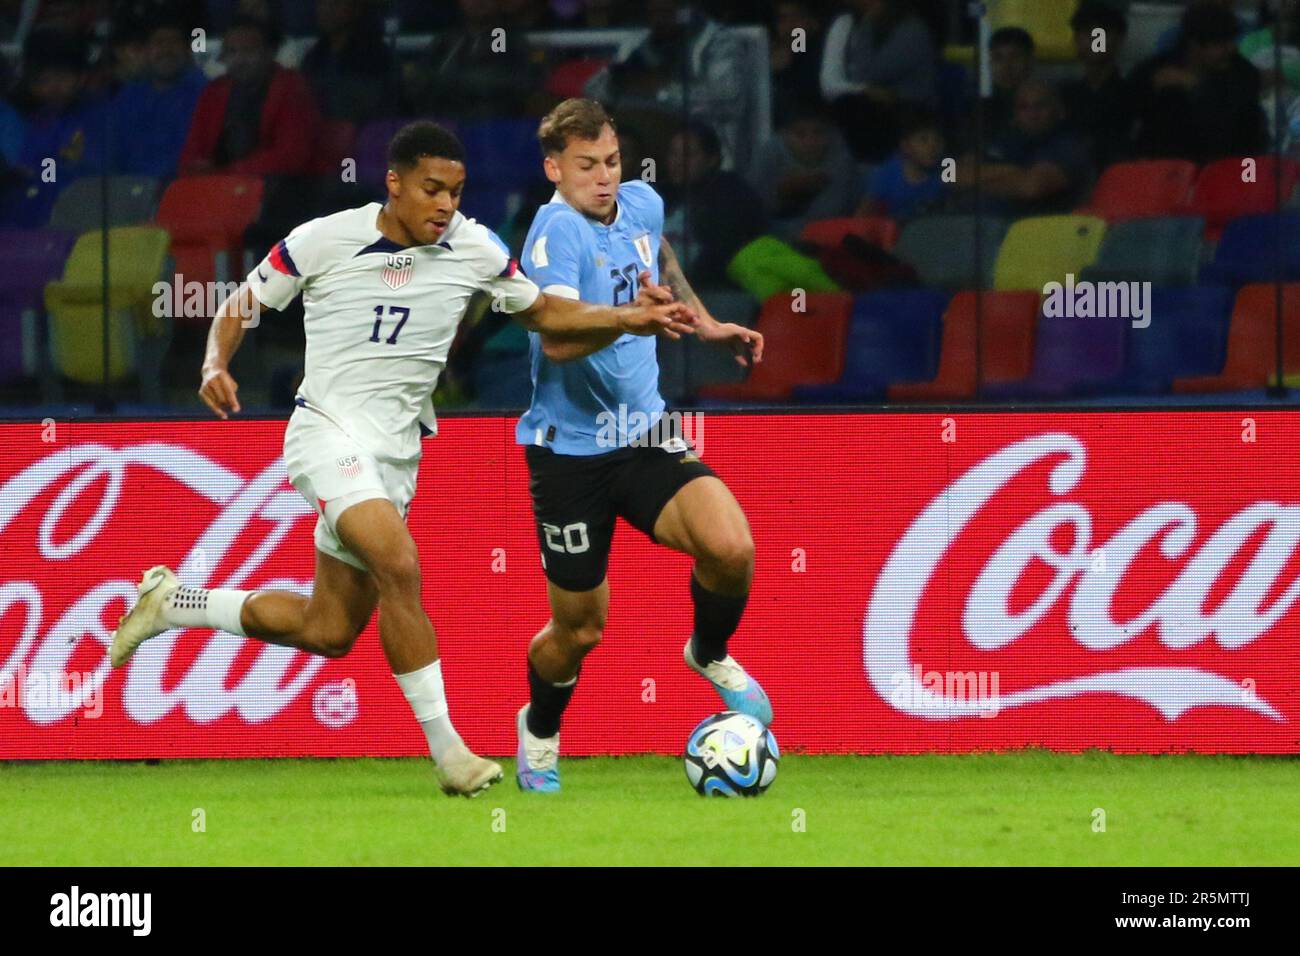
x: 924, y: 583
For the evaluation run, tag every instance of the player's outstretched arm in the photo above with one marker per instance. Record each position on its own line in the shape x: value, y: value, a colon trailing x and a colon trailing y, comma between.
x: 745, y: 344
x: 570, y: 320
x: 567, y: 348
x: 227, y: 331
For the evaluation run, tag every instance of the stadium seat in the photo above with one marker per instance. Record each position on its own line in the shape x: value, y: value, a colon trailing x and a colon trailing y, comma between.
x: 1221, y: 194
x: 371, y: 148
x: 1247, y: 251
x: 1251, y: 354
x: 810, y: 345
x: 1073, y: 357
x: 569, y: 79
x: 334, y: 143
x: 79, y: 208
x: 893, y: 337
x: 1133, y: 190
x: 1007, y: 325
x: 1046, y: 249
x: 688, y: 364
x: 136, y: 255
x: 206, y: 217
x: 32, y: 258
x: 829, y: 233
x: 502, y: 152
x: 1164, y: 252
x: 1188, y: 336
x: 1048, y: 22
x: 942, y: 250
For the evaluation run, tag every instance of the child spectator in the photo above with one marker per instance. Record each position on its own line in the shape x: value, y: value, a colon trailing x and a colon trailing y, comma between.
x: 910, y: 184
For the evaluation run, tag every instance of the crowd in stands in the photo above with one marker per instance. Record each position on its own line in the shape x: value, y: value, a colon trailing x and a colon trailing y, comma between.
x: 867, y: 116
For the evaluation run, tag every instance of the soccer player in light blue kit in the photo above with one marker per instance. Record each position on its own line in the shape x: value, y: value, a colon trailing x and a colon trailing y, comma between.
x: 593, y: 443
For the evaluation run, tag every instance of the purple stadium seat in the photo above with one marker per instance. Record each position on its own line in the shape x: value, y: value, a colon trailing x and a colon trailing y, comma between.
x: 32, y: 258
x: 1072, y: 357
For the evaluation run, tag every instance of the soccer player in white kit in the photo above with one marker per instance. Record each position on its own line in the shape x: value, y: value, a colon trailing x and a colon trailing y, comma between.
x: 384, y: 289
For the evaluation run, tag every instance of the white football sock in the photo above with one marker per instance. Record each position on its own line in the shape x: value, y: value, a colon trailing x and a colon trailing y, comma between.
x: 206, y: 607
x: 424, y: 692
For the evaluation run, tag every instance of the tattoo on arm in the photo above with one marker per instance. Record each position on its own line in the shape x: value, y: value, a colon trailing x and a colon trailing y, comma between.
x: 670, y: 273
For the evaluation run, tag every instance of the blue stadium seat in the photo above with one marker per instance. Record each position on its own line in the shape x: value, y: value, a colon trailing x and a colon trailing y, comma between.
x: 1246, y: 252
x: 1188, y: 336
x: 502, y: 152
x: 894, y: 337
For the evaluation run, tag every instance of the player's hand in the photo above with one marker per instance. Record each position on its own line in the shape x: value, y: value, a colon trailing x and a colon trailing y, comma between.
x: 671, y: 321
x: 218, y: 391
x: 745, y: 344
x: 650, y: 294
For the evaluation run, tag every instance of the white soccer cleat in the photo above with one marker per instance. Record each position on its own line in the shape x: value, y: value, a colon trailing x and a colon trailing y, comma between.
x: 145, y: 620
x: 737, y: 688
x: 466, y: 774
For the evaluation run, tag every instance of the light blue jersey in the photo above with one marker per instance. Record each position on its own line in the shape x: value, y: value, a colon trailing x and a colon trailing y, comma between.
x: 576, y: 405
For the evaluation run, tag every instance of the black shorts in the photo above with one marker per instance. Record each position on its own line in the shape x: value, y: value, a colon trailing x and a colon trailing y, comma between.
x: 576, y: 499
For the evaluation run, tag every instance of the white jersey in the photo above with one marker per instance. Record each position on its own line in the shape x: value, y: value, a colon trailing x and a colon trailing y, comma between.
x: 380, y: 317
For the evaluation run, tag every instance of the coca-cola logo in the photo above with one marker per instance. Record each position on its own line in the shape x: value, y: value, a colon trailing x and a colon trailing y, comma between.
x: 205, y: 691
x: 1088, y: 584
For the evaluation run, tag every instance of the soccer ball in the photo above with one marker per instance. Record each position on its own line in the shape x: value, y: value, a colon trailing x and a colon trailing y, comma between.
x: 731, y: 755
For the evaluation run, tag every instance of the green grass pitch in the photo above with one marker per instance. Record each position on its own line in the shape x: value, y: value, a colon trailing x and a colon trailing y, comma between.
x: 1024, y: 808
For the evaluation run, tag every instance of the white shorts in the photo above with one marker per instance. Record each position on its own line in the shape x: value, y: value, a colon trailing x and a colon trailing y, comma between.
x: 333, y: 472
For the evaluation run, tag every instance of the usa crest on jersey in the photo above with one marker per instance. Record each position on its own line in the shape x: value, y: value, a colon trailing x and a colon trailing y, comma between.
x: 642, y: 243
x: 397, y: 270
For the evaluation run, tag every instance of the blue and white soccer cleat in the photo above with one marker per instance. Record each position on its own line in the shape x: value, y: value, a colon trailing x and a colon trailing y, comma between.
x: 738, y: 690
x: 538, y: 767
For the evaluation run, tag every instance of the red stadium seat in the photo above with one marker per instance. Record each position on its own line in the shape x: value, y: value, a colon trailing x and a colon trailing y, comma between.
x: 1007, y: 346
x: 1252, y: 342
x: 206, y: 216
x: 807, y: 348
x: 1141, y: 189
x: 569, y: 79
x: 333, y: 145
x: 1221, y: 194
x: 829, y: 233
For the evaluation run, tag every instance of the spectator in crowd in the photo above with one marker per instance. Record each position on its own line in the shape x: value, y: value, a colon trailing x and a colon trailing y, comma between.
x: 1100, y: 104
x: 1281, y: 90
x: 259, y: 119
x: 1171, y: 39
x: 688, y: 60
x: 796, y: 73
x: 1200, y: 101
x: 1257, y: 47
x: 151, y: 116
x: 128, y: 55
x: 65, y: 124
x: 1011, y: 62
x: 474, y: 71
x: 1039, y: 166
x: 709, y: 213
x: 877, y: 60
x: 351, y: 70
x: 805, y: 173
x: 910, y: 184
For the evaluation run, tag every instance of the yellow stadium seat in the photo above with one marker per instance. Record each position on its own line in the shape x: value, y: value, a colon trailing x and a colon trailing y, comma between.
x: 75, y: 303
x: 1048, y: 22
x: 1045, y: 249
